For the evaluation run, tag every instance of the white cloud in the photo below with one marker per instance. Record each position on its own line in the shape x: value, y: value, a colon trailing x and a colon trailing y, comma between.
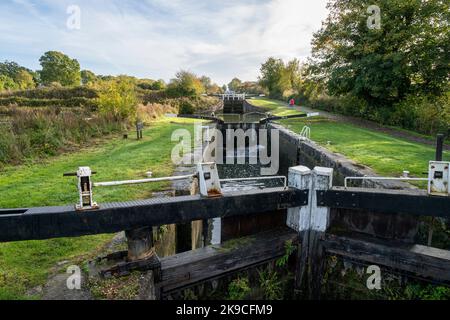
x: 155, y: 38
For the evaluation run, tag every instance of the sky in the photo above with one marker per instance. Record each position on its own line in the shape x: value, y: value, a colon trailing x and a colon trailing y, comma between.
x: 156, y: 38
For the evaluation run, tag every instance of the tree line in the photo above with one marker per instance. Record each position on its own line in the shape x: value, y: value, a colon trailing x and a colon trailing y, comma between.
x: 397, y: 74
x: 60, y: 70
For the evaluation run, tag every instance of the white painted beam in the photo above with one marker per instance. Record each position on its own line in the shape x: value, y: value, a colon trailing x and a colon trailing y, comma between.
x: 320, y: 216
x: 299, y: 218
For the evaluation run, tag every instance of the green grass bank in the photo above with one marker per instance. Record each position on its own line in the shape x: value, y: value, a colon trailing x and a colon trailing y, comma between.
x: 24, y: 265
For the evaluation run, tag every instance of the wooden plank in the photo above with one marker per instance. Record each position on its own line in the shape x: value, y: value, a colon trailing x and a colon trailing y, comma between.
x: 423, y: 261
x: 202, y: 264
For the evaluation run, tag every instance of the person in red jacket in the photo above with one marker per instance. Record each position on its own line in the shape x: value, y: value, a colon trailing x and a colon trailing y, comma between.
x: 292, y: 103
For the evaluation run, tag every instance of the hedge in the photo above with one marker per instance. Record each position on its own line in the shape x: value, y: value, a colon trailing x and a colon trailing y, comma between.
x: 68, y: 103
x: 52, y: 93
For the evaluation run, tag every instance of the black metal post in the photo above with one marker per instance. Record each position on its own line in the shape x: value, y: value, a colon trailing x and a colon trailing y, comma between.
x: 439, y: 146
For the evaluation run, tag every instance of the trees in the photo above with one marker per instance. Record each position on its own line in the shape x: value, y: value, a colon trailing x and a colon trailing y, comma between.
x: 11, y: 69
x: 87, y: 77
x: 235, y: 84
x: 7, y: 83
x: 117, y: 98
x: 209, y: 85
x: 206, y: 82
x: 278, y: 77
x: 214, y: 89
x: 158, y: 85
x: 293, y: 73
x: 58, y: 67
x: 251, y: 87
x: 185, y: 84
x: 21, y: 77
x: 407, y: 55
x: 24, y: 80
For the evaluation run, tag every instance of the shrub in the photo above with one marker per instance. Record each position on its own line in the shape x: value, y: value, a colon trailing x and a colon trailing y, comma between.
x: 154, y: 96
x: 149, y: 112
x: 75, y: 102
x: 238, y: 289
x: 185, y: 84
x: 7, y: 83
x: 424, y: 114
x: 118, y: 99
x: 53, y: 93
x: 428, y: 115
x: 271, y: 285
x: 186, y: 107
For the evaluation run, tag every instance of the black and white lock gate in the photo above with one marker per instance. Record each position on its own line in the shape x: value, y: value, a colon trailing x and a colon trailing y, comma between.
x: 308, y: 199
x: 65, y: 221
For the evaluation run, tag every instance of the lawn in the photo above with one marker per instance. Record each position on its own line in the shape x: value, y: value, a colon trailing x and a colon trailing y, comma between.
x: 275, y: 107
x: 24, y: 265
x: 386, y: 155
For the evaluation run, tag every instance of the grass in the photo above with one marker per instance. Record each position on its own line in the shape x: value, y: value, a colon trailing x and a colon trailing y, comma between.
x: 24, y: 265
x: 386, y: 155
x: 277, y: 108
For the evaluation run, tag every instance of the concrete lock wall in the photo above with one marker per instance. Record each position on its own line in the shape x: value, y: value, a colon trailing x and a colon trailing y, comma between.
x: 294, y: 151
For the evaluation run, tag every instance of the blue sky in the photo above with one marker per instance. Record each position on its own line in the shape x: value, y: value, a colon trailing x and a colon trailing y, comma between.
x: 156, y: 38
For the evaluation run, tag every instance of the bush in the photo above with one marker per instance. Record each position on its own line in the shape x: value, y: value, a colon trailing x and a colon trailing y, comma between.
x: 199, y: 103
x: 423, y: 114
x: 7, y: 83
x: 186, y: 107
x: 53, y: 93
x: 186, y: 84
x: 118, y: 99
x: 426, y: 115
x: 154, y: 96
x: 239, y: 289
x: 76, y: 102
x: 326, y: 103
x: 271, y: 285
x: 150, y: 112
